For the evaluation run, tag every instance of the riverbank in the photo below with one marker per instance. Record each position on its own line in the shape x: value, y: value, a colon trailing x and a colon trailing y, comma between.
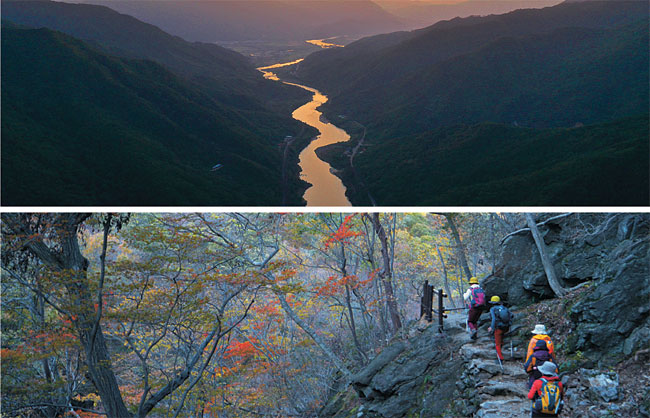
x: 341, y: 158
x: 326, y: 188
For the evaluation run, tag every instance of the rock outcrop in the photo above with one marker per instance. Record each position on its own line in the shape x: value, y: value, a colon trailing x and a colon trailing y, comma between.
x: 399, y: 382
x: 609, y: 253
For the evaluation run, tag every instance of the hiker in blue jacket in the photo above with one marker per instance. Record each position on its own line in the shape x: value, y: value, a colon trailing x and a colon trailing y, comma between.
x: 501, y: 319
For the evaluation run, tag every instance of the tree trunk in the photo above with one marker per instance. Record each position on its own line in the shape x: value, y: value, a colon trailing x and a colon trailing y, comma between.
x: 386, y: 273
x: 97, y: 357
x: 353, y: 327
x: 459, y: 244
x: 546, y: 260
x: 101, y: 373
x: 370, y: 242
x: 348, y: 302
x: 70, y: 260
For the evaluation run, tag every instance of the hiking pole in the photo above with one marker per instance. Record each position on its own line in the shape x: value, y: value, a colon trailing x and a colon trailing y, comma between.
x: 500, y: 364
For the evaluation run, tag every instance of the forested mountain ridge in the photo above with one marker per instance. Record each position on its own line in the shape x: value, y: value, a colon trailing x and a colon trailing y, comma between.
x: 379, y: 60
x: 566, y: 77
x: 80, y: 127
x: 223, y: 72
x: 446, y: 66
x: 270, y: 20
x: 208, y: 93
x: 566, y: 66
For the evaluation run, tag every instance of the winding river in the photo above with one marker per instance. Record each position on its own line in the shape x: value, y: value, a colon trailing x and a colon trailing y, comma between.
x: 326, y: 189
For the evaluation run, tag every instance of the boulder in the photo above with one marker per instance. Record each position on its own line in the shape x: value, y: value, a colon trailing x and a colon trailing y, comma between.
x: 604, y: 387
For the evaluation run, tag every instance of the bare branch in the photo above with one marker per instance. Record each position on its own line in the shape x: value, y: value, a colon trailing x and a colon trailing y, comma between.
x: 522, y: 230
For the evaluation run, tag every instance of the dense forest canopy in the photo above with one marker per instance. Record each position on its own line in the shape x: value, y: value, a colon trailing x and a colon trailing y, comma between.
x: 217, y: 314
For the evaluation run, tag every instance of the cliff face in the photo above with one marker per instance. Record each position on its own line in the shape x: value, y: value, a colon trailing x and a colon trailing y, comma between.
x: 609, y: 254
x: 601, y: 330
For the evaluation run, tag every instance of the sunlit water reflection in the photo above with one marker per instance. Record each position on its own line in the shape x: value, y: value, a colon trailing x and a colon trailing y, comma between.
x: 326, y: 189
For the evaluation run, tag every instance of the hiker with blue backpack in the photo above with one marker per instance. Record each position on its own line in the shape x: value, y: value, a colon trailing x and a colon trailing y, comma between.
x: 501, y: 320
x: 475, y: 296
x: 546, y: 392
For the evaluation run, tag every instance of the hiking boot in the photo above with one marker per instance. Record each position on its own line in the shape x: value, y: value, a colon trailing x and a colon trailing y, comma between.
x: 474, y: 335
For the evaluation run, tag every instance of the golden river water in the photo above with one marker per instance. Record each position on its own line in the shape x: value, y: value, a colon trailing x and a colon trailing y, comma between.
x: 326, y: 189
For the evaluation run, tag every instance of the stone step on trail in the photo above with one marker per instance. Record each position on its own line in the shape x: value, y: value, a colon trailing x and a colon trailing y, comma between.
x: 510, y: 368
x: 501, y: 389
x: 504, y: 408
x: 504, y: 388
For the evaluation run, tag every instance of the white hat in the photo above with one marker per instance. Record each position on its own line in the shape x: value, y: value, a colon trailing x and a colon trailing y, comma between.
x: 539, y: 329
x: 548, y: 368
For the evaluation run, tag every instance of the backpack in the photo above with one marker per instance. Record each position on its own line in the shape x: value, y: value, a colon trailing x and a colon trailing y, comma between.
x: 503, y: 317
x: 478, y: 297
x: 550, y: 401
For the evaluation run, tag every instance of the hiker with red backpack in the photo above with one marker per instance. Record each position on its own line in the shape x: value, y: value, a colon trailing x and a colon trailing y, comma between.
x: 501, y: 320
x: 539, y: 355
x: 475, y: 296
x: 546, y: 392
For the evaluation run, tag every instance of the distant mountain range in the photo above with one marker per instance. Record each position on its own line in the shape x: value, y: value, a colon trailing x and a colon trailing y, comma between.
x: 573, y: 64
x: 271, y: 20
x: 422, y: 13
x: 132, y: 115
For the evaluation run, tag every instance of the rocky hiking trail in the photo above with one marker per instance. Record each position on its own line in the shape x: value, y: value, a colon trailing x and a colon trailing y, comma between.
x: 446, y: 375
x: 501, y: 389
x: 423, y: 373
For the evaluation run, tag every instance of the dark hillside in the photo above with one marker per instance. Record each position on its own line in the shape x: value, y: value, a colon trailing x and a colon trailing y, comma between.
x: 562, y: 78
x: 82, y: 128
x: 493, y: 165
x: 225, y: 73
x: 572, y: 65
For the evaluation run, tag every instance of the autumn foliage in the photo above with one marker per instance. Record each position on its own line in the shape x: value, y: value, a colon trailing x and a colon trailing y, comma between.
x: 343, y: 234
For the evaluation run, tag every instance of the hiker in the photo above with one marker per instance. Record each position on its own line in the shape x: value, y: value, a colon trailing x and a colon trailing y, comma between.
x: 476, y: 298
x: 501, y: 320
x: 546, y: 392
x: 540, y: 333
x: 539, y: 356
